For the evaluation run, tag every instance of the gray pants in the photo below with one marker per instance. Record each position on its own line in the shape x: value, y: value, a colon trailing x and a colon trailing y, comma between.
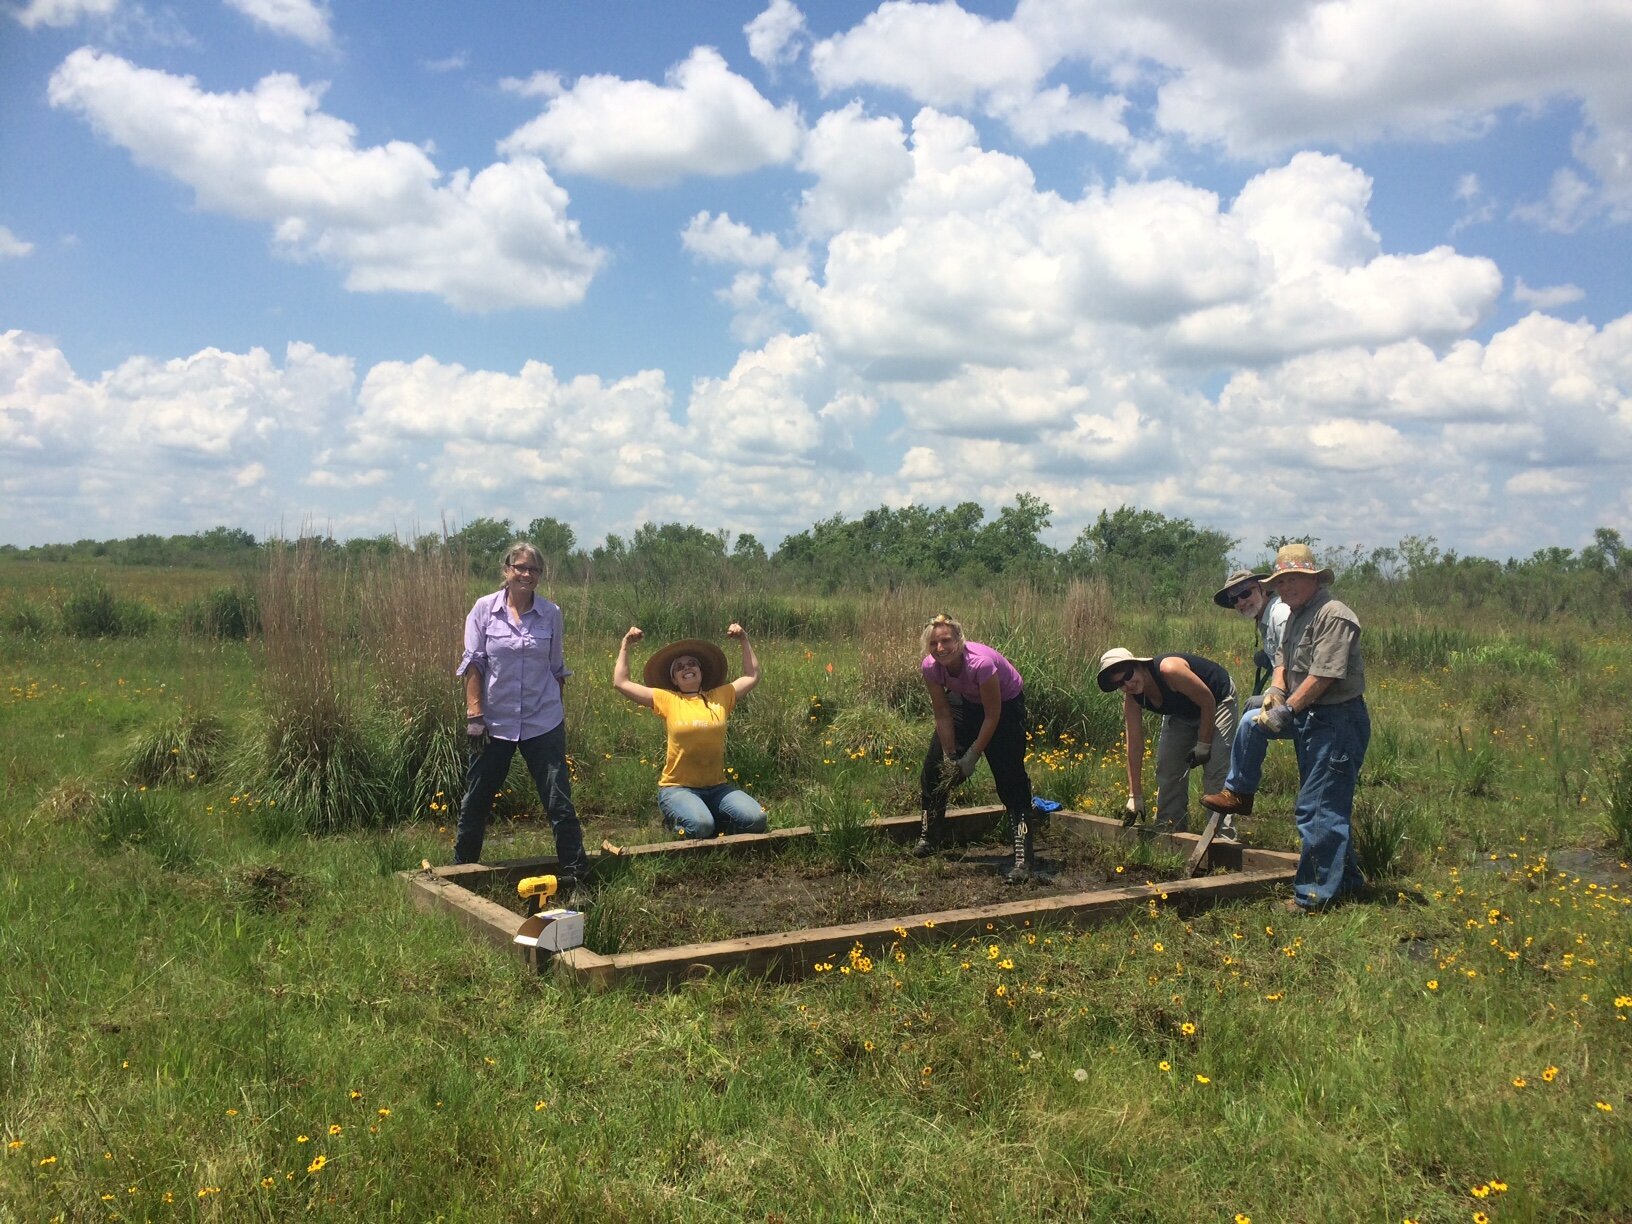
x: 1178, y: 736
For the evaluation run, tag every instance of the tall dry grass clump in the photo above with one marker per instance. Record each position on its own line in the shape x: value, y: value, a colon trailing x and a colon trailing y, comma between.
x: 1088, y: 618
x: 888, y: 624
x: 412, y: 609
x: 1055, y: 642
x: 314, y: 764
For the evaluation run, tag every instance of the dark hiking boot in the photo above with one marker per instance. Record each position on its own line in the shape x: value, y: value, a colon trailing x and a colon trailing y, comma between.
x: 1021, y: 870
x: 931, y: 834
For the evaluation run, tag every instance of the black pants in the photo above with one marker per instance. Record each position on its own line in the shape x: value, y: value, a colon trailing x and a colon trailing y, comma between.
x: 1006, y: 754
x: 546, y: 759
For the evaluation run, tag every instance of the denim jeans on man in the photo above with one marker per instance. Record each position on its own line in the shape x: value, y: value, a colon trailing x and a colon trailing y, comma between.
x: 1247, y: 753
x: 703, y: 811
x: 546, y: 759
x: 1331, y: 744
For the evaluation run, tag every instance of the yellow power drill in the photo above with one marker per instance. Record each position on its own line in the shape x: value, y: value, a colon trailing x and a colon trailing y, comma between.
x: 539, y: 889
x: 554, y: 930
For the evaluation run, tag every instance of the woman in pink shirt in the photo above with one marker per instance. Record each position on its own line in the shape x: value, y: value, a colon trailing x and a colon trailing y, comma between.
x: 980, y: 710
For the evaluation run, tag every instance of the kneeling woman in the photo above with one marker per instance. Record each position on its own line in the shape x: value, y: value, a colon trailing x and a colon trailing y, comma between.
x: 686, y: 686
x: 980, y: 710
x: 1196, y: 699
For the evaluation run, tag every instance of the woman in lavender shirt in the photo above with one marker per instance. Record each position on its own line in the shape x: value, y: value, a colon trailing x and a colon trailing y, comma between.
x: 514, y: 671
x: 980, y: 710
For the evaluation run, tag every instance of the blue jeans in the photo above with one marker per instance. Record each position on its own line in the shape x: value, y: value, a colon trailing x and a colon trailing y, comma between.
x: 546, y: 759
x: 703, y: 811
x: 1247, y: 754
x: 1331, y: 742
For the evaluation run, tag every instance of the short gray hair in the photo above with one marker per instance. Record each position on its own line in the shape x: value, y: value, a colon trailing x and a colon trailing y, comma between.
x: 523, y: 546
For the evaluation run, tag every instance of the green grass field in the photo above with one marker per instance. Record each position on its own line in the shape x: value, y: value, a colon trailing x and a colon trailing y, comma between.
x: 210, y: 1012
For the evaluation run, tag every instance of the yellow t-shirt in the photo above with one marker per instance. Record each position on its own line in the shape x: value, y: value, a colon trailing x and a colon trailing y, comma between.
x: 696, y: 727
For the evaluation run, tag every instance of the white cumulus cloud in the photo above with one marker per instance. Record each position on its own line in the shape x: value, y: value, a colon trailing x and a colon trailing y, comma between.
x: 60, y: 13
x: 1548, y: 297
x: 720, y: 239
x: 302, y: 20
x: 13, y: 247
x: 944, y: 56
x: 385, y: 214
x: 179, y: 442
x: 1292, y: 265
x: 860, y: 163
x: 774, y: 36
x: 704, y: 120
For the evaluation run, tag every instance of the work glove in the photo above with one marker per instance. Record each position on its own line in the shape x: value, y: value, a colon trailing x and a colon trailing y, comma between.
x: 1273, y: 697
x: 951, y: 772
x: 1275, y: 717
x: 476, y: 729
x: 1199, y: 755
x: 967, y: 763
x: 1132, y: 812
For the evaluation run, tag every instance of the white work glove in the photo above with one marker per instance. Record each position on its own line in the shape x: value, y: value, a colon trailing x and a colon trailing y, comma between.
x: 967, y: 763
x: 1276, y: 716
x: 1199, y: 755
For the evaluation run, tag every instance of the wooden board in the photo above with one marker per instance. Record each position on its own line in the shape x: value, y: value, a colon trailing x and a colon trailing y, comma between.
x: 790, y: 955
x: 795, y: 954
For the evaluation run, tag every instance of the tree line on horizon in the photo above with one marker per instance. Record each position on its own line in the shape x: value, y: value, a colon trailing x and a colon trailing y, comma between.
x: 1160, y: 558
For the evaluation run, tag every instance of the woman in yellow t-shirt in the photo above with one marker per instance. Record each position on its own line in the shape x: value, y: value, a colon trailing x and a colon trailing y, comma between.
x: 686, y: 686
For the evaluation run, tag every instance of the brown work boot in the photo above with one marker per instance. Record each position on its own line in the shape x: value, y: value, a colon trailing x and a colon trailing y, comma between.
x: 1229, y: 803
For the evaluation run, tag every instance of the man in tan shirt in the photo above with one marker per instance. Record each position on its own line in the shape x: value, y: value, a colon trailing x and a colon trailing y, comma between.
x: 1318, y: 693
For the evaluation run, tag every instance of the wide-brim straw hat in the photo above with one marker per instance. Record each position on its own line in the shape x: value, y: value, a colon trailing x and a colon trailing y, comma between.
x: 1297, y: 559
x: 710, y: 656
x: 1238, y: 579
x: 1113, y: 660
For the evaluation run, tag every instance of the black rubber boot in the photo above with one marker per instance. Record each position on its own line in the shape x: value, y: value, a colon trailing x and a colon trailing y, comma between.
x: 931, y: 834
x: 1021, y: 870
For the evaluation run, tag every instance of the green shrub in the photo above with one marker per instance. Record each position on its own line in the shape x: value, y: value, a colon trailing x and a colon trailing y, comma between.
x: 93, y: 611
x: 314, y: 772
x: 769, y: 742
x: 1615, y: 789
x: 1380, y: 833
x: 427, y: 757
x: 187, y: 748
x: 26, y: 619
x: 135, y: 817
x: 1384, y: 764
x: 842, y: 836
x: 1424, y: 647
x: 1473, y: 766
x: 876, y: 733
x: 227, y: 614
x: 1504, y: 656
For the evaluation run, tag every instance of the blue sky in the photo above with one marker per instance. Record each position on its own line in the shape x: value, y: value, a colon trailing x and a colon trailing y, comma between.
x: 1354, y: 269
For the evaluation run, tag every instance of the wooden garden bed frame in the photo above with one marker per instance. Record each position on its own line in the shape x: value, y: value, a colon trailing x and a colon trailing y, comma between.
x: 793, y: 954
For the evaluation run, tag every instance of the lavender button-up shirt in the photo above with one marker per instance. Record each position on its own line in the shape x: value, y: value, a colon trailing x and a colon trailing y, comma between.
x: 521, y: 665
